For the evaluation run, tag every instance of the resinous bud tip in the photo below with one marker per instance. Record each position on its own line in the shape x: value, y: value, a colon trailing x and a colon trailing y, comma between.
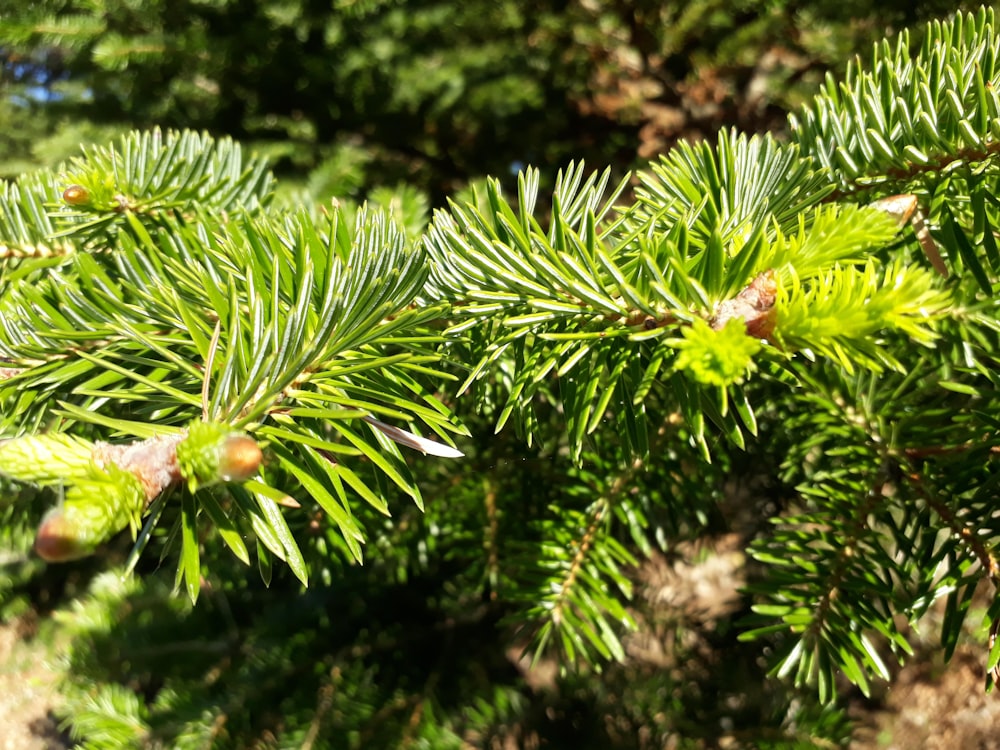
x: 76, y: 195
x: 57, y: 539
x: 239, y: 458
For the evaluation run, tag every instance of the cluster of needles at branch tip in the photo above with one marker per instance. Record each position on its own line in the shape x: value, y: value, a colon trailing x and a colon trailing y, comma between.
x: 111, y: 486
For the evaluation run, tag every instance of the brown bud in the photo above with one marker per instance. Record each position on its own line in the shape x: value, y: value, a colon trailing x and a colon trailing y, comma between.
x: 76, y: 195
x: 755, y: 305
x: 899, y: 207
x: 57, y: 539
x: 239, y: 458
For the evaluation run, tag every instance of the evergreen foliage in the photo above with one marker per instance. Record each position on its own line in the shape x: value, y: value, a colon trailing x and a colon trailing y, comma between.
x: 758, y: 309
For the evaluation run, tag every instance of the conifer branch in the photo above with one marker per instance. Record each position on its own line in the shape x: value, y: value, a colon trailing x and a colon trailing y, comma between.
x: 564, y: 588
x: 575, y: 612
x: 855, y: 529
x: 152, y: 285
x: 970, y: 538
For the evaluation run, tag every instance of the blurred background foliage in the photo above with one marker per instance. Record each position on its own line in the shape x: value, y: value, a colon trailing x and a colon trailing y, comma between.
x: 350, y: 99
x: 347, y: 95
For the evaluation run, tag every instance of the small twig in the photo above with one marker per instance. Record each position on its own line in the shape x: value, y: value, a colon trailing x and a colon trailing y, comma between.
x: 153, y: 461
x: 912, y: 171
x: 603, y: 504
x: 845, y: 556
x: 943, y: 450
x: 963, y: 532
x: 577, y: 563
x: 323, y: 705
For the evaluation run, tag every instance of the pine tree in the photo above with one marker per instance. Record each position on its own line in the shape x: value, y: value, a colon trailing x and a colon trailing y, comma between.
x: 218, y: 381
